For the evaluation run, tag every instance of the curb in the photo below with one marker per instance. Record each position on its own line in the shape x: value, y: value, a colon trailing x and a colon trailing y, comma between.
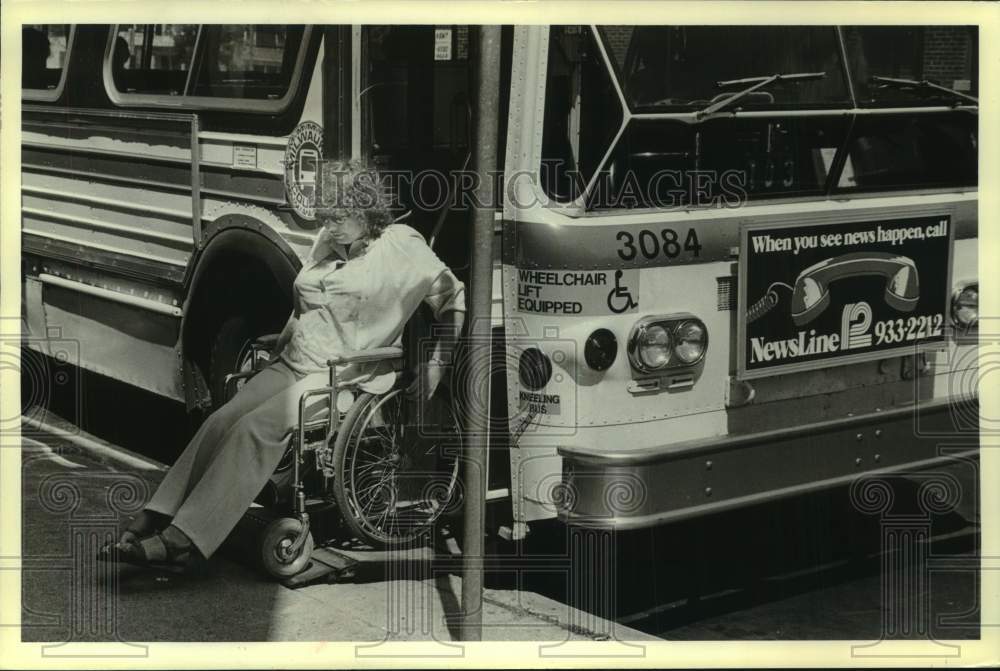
x: 101, y: 450
x: 567, y: 618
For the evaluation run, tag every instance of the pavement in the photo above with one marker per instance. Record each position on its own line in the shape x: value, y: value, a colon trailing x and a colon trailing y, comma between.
x: 79, y: 490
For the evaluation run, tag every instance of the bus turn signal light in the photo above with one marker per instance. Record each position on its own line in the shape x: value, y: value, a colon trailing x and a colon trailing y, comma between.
x: 601, y: 349
x: 965, y: 306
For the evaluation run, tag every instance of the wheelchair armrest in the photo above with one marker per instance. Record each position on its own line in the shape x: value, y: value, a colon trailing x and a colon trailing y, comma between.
x: 367, y: 356
x: 267, y: 341
x: 239, y: 376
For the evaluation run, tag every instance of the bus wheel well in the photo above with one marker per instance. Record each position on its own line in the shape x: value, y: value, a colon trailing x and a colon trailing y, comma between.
x: 253, y: 281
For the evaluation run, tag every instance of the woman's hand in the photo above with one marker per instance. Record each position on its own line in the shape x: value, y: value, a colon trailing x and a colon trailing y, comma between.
x: 437, y: 368
x: 283, y: 338
x: 430, y: 375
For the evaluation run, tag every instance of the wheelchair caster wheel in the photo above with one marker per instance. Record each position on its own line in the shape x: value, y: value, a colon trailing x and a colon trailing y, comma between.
x: 276, y: 542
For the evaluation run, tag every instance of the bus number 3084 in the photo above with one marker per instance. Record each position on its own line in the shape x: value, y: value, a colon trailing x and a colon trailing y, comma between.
x: 651, y: 245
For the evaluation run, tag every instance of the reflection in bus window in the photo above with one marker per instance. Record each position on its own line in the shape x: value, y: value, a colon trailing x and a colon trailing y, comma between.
x: 944, y: 55
x: 415, y: 95
x: 385, y: 89
x: 255, y: 62
x: 668, y: 163
x: 43, y: 55
x: 910, y: 151
x: 153, y: 58
x: 665, y: 68
x: 582, y: 112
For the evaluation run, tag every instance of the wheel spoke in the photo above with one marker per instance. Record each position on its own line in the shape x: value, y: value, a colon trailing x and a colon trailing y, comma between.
x: 369, y: 467
x: 378, y: 457
x: 396, y: 481
x: 380, y: 483
x: 383, y: 435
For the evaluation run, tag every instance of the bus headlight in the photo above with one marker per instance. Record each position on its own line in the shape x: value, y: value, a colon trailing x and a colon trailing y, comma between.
x: 965, y: 306
x: 670, y: 341
x: 653, y: 347
x: 690, y: 341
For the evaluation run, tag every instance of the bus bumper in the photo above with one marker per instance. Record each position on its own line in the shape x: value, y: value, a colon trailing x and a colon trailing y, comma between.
x: 642, y: 488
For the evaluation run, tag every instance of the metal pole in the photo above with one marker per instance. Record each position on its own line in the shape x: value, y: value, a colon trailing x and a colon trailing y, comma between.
x: 477, y: 387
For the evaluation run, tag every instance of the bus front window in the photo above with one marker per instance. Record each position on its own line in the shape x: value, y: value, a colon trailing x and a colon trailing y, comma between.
x: 902, y: 67
x: 721, y: 115
x: 887, y: 61
x: 665, y: 68
x: 582, y: 112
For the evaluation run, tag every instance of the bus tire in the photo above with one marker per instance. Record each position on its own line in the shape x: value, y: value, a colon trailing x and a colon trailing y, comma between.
x: 230, y: 353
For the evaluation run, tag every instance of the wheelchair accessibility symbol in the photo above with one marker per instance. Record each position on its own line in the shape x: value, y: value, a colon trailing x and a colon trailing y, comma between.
x: 620, y: 298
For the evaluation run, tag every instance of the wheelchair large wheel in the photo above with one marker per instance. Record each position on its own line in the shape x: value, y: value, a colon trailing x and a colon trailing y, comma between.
x: 395, y: 473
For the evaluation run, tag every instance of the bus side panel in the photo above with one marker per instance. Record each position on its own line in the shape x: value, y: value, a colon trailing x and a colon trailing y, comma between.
x: 126, y: 343
x: 107, y: 236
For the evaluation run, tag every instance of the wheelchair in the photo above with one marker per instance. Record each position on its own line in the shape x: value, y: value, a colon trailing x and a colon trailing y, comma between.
x: 386, y: 463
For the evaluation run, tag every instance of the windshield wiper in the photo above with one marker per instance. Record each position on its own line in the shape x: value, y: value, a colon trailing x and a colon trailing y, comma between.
x: 756, y: 83
x: 923, y: 84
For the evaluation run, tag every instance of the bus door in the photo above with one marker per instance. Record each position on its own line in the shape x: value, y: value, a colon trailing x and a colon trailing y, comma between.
x: 416, y: 118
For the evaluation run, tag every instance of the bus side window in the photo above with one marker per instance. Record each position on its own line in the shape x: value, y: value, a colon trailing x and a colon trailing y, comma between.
x: 247, y: 62
x: 153, y: 58
x: 43, y: 56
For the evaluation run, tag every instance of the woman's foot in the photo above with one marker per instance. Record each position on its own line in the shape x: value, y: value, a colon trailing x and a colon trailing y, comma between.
x: 170, y: 550
x: 143, y: 525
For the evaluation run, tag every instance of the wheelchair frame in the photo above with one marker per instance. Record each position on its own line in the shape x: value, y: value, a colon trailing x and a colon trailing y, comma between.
x: 331, y: 423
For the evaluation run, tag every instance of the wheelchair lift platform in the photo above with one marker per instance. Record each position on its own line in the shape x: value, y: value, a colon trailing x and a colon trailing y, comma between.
x: 340, y: 558
x: 342, y: 562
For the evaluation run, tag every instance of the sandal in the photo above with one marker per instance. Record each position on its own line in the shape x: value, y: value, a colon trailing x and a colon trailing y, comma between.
x: 155, y: 552
x: 142, y: 525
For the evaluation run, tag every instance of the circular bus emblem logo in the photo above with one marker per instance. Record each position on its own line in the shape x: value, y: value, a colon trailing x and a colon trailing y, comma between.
x: 302, y: 157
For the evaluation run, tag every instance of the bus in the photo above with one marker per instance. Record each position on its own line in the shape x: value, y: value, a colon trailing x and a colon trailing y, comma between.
x: 733, y: 263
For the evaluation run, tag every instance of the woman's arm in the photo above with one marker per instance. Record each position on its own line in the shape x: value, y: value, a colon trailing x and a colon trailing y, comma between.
x: 449, y: 328
x: 286, y: 335
x: 436, y: 368
x: 447, y: 299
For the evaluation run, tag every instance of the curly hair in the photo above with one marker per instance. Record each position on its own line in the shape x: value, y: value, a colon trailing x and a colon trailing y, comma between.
x: 354, y: 189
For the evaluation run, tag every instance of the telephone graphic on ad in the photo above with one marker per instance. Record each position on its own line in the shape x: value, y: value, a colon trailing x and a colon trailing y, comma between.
x: 811, y: 294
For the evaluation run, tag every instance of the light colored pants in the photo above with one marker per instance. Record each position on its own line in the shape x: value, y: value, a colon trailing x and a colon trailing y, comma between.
x: 234, y: 452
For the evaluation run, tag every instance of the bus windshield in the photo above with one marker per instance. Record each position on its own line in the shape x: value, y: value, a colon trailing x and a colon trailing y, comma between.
x: 881, y: 57
x: 664, y: 67
x: 643, y: 115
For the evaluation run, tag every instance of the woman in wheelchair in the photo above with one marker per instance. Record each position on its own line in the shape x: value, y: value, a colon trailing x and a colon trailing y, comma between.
x: 364, y: 278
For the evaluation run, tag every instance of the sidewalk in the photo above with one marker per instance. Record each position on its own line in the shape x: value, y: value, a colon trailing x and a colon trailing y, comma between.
x: 231, y: 601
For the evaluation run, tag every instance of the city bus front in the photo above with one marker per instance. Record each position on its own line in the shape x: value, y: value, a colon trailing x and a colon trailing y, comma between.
x: 739, y: 262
